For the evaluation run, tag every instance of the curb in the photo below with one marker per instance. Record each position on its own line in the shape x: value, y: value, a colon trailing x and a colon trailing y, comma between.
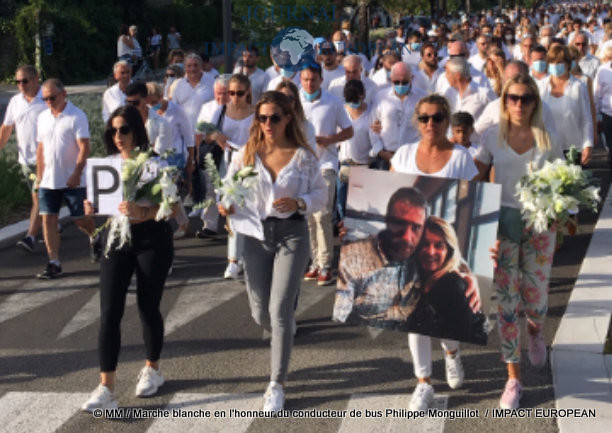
x: 10, y: 234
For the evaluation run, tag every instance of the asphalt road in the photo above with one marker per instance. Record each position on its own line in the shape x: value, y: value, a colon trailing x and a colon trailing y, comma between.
x: 214, y: 356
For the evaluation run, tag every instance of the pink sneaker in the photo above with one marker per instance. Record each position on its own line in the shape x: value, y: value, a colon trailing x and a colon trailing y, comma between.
x: 512, y: 394
x: 537, y: 349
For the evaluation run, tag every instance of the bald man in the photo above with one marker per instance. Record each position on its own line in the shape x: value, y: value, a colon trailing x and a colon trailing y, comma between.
x: 353, y: 70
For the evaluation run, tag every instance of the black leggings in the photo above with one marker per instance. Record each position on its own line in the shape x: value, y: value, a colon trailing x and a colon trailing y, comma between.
x: 150, y: 255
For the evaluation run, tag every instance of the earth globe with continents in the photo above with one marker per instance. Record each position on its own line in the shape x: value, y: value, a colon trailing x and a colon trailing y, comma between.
x: 293, y: 49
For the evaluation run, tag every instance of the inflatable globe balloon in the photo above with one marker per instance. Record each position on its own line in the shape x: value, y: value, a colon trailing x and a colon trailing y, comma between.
x: 293, y: 49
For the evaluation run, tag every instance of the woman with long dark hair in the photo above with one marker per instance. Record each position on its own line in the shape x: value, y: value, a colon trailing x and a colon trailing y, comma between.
x: 276, y: 253
x: 149, y: 255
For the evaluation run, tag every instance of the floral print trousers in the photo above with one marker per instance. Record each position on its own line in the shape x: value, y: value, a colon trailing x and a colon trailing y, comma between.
x: 521, y: 278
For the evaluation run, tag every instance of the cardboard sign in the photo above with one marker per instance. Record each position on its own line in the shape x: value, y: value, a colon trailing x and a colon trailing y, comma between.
x: 104, y: 186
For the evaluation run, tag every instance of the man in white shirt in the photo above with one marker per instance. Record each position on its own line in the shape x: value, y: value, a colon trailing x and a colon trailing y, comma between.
x: 538, y: 67
x: 331, y: 68
x: 327, y: 114
x: 353, y: 70
x: 194, y: 89
x: 602, y: 94
x: 259, y: 79
x: 382, y: 77
x: 114, y: 96
x: 463, y: 94
x: 458, y: 48
x: 427, y: 72
x: 588, y: 63
x: 479, y: 59
x: 137, y: 50
x: 63, y: 148
x: 173, y: 39
x: 158, y: 128
x: 393, y: 110
x: 284, y: 75
x: 22, y: 115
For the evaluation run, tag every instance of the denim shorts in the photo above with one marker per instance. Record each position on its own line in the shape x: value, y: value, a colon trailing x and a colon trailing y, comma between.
x: 50, y: 200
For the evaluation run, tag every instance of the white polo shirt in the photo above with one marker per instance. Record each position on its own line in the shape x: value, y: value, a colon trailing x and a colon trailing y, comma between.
x: 112, y: 99
x: 395, y: 117
x: 192, y: 98
x: 59, y: 137
x: 24, y: 115
x: 328, y: 116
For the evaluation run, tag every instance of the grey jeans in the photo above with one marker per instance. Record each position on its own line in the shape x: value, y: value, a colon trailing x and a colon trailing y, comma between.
x: 274, y: 269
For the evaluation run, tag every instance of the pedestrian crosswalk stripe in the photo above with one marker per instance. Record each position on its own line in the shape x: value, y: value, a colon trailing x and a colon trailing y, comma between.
x: 39, y: 294
x: 198, y: 298
x: 224, y: 405
x: 40, y: 412
x: 374, y: 416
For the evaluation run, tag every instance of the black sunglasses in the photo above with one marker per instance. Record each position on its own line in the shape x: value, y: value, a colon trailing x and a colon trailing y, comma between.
x: 24, y: 81
x: 263, y: 119
x: 437, y: 118
x: 401, y: 83
x: 134, y: 102
x: 452, y: 56
x: 240, y: 93
x: 525, y: 99
x: 123, y: 130
x: 170, y: 75
x: 50, y: 98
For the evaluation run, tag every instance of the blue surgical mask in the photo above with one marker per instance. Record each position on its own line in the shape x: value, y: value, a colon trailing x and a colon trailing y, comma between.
x: 354, y: 105
x: 311, y: 96
x: 402, y: 89
x: 156, y: 106
x: 182, y: 65
x: 556, y: 69
x: 539, y: 66
x: 415, y: 46
x: 285, y: 73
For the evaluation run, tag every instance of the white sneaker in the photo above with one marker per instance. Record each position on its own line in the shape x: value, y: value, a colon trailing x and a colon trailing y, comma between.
x: 454, y: 370
x: 274, y: 398
x: 422, y: 397
x: 149, y: 381
x: 232, y: 271
x: 101, y: 398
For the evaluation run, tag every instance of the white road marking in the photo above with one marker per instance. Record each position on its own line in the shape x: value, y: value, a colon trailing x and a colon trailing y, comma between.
x: 40, y: 412
x: 224, y: 404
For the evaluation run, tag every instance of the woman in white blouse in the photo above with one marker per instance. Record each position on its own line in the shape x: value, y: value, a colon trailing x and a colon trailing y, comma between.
x: 524, y: 259
x: 568, y: 99
x: 237, y: 118
x: 276, y: 245
x: 435, y: 156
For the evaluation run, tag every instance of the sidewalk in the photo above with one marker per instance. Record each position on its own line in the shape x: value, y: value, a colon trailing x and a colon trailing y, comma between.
x: 582, y: 374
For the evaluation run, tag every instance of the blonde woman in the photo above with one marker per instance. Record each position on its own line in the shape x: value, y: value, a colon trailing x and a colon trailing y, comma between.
x: 524, y: 261
x: 290, y: 186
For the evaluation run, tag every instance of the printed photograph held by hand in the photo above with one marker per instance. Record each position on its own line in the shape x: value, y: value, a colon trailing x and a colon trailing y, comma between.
x: 416, y: 256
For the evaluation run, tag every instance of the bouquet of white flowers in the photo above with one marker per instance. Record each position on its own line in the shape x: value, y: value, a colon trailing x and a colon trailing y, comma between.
x: 553, y: 193
x: 160, y: 190
x: 233, y: 191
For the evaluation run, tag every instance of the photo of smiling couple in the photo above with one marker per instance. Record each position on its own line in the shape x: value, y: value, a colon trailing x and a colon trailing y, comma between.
x: 415, y: 254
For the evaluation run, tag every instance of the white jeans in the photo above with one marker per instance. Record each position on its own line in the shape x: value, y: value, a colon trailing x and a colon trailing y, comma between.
x: 420, y: 349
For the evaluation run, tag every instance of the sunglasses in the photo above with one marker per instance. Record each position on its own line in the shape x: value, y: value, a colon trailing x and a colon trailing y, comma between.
x: 24, y: 81
x: 51, y: 98
x: 263, y: 119
x: 578, y: 44
x: 525, y: 99
x: 401, y: 83
x: 239, y: 93
x: 133, y: 102
x: 123, y: 130
x: 170, y: 75
x: 437, y: 118
x: 452, y: 56
x: 327, y: 52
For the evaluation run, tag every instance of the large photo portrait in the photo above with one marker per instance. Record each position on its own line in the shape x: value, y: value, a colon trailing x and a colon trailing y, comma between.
x: 415, y: 257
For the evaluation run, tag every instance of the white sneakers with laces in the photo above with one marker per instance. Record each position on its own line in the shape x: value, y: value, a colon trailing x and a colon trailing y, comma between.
x: 422, y: 397
x: 233, y: 271
x: 454, y: 370
x: 101, y: 398
x: 149, y: 381
x: 274, y: 398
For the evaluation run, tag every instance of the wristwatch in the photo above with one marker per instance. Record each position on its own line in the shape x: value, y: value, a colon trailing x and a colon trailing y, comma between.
x: 301, y: 204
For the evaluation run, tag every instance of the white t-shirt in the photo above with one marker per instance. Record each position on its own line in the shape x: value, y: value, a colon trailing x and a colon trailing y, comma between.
x: 182, y: 136
x: 329, y: 76
x: 192, y: 98
x: 24, y: 115
x: 327, y: 115
x: 359, y: 147
x: 112, y: 99
x: 59, y: 137
x: 509, y: 165
x: 159, y: 132
x: 156, y: 40
x: 459, y: 166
